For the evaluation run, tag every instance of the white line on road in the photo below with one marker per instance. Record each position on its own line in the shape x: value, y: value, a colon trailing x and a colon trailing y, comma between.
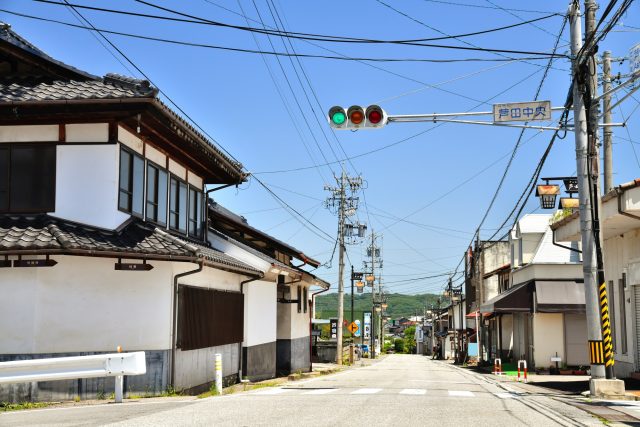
x: 506, y: 395
x: 321, y: 391
x: 414, y: 391
x: 461, y: 393
x: 366, y: 391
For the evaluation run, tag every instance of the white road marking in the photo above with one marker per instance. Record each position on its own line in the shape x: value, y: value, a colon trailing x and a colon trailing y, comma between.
x: 271, y: 391
x: 321, y: 391
x: 506, y: 395
x: 414, y: 391
x: 461, y: 393
x: 366, y: 391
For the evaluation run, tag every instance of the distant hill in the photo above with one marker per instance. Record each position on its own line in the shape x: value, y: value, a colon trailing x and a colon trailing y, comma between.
x: 399, y: 305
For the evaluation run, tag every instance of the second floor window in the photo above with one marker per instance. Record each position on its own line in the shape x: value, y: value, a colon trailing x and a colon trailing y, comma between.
x: 27, y: 178
x: 131, y: 194
x: 195, y: 212
x: 157, y: 181
x: 178, y: 205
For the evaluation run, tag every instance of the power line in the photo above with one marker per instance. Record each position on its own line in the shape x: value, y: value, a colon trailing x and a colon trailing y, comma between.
x: 290, y: 34
x: 451, y: 3
x: 260, y: 52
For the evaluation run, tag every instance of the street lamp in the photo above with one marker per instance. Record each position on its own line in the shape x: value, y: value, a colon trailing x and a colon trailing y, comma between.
x: 549, y: 192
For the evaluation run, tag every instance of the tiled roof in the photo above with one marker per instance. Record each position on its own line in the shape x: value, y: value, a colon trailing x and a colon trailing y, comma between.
x: 53, y: 235
x: 30, y: 89
x: 13, y: 38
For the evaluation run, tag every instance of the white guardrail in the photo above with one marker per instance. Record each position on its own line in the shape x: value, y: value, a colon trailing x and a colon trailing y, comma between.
x: 68, y: 368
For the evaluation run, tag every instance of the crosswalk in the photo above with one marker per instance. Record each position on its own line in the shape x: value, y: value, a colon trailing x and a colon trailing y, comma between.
x: 374, y: 391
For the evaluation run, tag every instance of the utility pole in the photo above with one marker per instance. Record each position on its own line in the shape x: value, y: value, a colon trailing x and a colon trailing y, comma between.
x: 608, y: 133
x: 373, y: 298
x: 352, y: 319
x: 588, y: 177
x: 345, y: 204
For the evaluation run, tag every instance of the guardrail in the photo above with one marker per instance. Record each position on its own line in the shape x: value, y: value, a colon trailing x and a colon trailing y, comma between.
x: 67, y: 368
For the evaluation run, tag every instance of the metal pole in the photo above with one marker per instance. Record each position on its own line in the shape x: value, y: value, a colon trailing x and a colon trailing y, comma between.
x: 589, y: 265
x: 119, y: 388
x: 608, y: 133
x: 341, y: 215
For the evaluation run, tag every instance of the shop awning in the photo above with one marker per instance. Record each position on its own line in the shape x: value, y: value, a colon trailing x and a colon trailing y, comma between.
x: 551, y: 296
x: 560, y: 297
x: 513, y: 300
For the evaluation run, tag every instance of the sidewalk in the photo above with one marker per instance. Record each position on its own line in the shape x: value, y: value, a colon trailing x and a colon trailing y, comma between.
x: 569, y: 388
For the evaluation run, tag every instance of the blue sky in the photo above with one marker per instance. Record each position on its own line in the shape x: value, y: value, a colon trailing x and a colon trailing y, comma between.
x: 264, y: 110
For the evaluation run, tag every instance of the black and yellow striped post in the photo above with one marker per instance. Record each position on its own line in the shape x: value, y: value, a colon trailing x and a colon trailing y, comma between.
x: 607, y: 343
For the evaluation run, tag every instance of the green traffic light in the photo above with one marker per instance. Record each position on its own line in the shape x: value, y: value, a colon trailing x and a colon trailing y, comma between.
x: 338, y: 118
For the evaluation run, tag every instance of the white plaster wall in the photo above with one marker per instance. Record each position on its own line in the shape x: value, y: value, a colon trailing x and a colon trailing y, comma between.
x: 260, y: 313
x: 155, y: 156
x: 29, y: 133
x: 87, y: 132
x: 177, y: 169
x: 87, y: 185
x: 83, y: 304
x: 548, y: 338
x: 195, y: 180
x: 291, y: 324
x: 130, y: 140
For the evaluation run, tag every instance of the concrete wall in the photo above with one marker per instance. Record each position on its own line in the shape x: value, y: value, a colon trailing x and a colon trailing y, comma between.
x: 529, y: 243
x: 197, y: 367
x: 548, y: 338
x: 576, y: 339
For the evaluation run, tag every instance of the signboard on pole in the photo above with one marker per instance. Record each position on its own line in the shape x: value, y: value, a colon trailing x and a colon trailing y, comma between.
x: 634, y: 60
x: 358, y: 332
x: 522, y: 111
x: 367, y: 325
x: 334, y: 329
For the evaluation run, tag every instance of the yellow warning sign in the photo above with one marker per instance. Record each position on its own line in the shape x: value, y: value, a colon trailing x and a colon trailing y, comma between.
x: 353, y: 327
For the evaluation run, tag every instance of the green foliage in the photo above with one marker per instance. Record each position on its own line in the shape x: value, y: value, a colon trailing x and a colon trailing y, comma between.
x: 399, y: 305
x: 398, y: 345
x: 6, y: 407
x: 410, y: 339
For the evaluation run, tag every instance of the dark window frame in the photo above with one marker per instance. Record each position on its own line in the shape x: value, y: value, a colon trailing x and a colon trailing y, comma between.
x: 50, y: 176
x: 178, y: 212
x: 299, y: 299
x: 305, y: 294
x: 156, y: 202
x: 624, y: 347
x: 199, y: 212
x: 129, y: 191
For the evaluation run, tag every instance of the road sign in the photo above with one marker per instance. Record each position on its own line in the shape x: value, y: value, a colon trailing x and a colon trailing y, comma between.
x: 353, y: 328
x: 522, y: 111
x: 634, y: 58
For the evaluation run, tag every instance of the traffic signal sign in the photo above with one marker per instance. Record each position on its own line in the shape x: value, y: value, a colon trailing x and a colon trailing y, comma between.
x: 357, y: 117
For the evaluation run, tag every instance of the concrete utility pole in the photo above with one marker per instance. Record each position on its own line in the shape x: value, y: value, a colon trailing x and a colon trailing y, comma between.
x: 339, y: 197
x: 608, y: 133
x: 601, y: 354
x: 589, y: 266
x: 373, y: 298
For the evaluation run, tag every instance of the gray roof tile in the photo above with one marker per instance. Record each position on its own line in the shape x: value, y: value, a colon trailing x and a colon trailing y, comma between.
x: 43, y: 232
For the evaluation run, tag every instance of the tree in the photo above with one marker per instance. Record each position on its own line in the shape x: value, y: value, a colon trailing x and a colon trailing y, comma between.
x: 410, y: 339
x: 398, y: 345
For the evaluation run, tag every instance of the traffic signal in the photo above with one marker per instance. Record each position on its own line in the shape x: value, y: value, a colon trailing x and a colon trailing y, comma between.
x: 357, y: 117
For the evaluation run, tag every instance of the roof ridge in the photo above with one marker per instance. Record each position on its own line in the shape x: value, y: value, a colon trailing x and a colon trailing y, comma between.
x: 140, y: 86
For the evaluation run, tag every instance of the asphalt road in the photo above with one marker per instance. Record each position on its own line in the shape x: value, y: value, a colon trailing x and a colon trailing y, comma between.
x: 401, y: 390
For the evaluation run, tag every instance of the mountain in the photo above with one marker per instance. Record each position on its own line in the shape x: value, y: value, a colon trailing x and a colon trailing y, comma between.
x: 399, y: 305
